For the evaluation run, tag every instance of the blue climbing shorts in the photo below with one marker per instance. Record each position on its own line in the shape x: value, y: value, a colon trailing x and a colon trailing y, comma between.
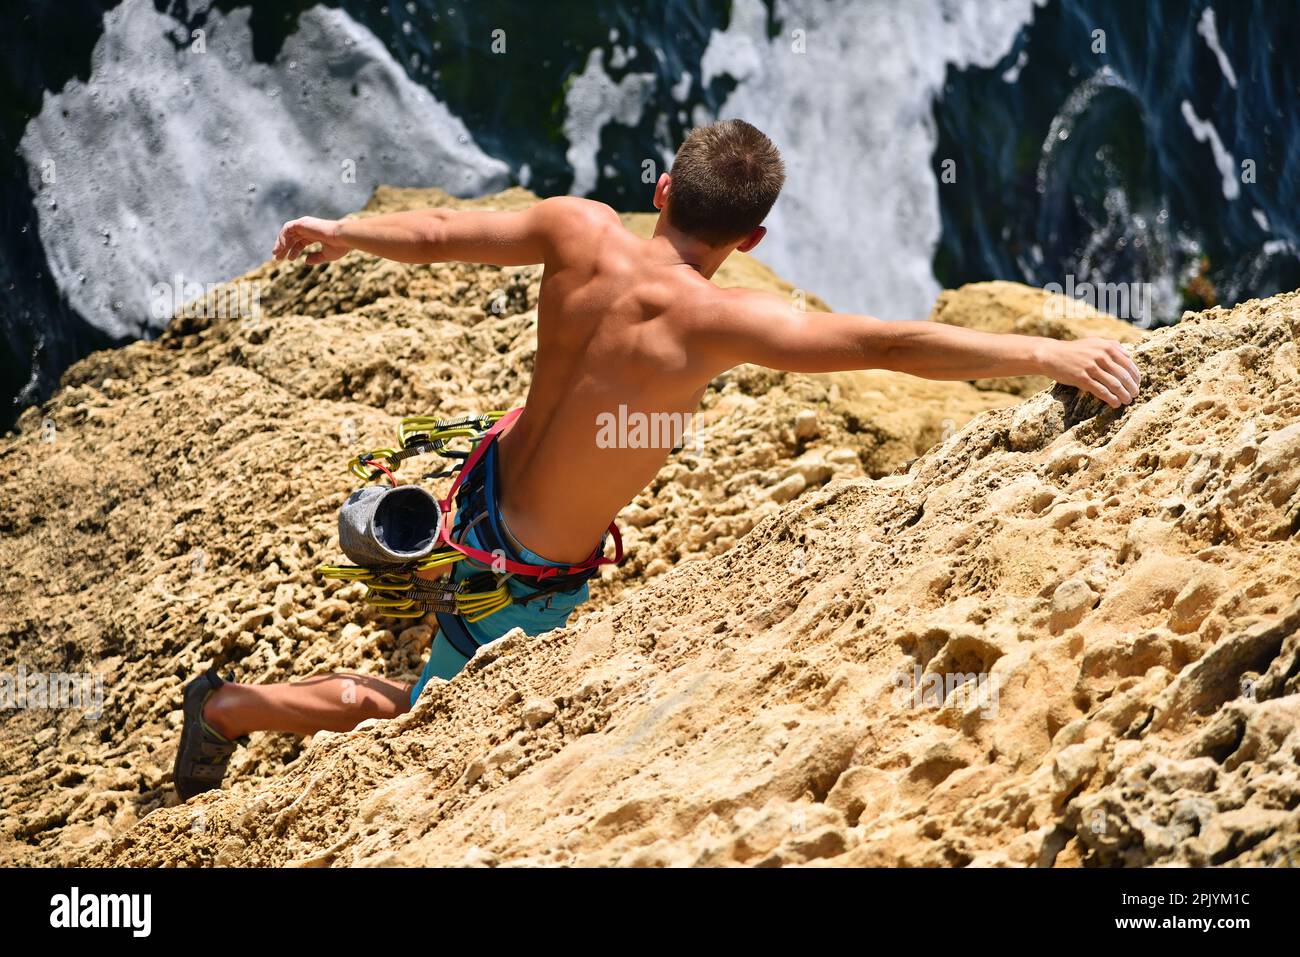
x: 479, y: 521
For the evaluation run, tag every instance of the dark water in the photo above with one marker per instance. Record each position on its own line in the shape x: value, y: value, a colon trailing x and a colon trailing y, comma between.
x: 45, y: 45
x: 1127, y: 194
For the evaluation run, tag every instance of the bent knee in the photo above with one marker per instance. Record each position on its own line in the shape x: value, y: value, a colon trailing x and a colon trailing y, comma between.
x: 379, y: 702
x: 382, y: 706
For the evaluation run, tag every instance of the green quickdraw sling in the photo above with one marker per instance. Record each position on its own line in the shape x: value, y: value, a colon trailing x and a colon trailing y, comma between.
x: 396, y: 589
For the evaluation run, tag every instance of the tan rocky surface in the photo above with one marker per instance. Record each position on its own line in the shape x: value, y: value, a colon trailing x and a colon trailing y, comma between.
x: 1119, y: 587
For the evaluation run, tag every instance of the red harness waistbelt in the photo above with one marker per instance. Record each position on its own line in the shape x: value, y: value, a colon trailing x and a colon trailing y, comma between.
x: 497, y: 561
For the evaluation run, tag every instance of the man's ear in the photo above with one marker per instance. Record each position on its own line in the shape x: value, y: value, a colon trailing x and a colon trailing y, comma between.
x: 661, y: 190
x: 752, y: 240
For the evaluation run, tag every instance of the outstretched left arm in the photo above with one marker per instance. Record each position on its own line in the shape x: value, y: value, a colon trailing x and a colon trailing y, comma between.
x: 499, y: 238
x: 759, y: 327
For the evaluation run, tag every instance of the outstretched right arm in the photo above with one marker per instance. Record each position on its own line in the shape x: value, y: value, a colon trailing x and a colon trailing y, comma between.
x: 764, y: 329
x: 500, y: 238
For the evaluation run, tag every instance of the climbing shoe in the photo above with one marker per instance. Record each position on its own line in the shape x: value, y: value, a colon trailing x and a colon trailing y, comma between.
x: 204, y: 754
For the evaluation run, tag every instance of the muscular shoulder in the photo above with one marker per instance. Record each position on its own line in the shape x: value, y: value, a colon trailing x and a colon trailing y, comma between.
x: 574, y: 228
x: 571, y: 211
x: 714, y: 310
x: 724, y: 321
x: 733, y: 308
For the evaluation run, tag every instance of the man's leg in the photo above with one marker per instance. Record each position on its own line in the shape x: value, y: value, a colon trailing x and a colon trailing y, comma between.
x: 337, y: 702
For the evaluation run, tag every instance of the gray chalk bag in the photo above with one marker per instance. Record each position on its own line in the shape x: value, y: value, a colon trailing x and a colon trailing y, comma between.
x: 389, y: 526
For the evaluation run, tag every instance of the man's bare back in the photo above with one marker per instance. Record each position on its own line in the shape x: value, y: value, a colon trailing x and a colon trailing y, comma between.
x: 637, y: 323
x: 614, y: 324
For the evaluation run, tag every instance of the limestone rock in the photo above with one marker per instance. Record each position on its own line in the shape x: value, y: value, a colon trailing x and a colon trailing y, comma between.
x: 977, y: 634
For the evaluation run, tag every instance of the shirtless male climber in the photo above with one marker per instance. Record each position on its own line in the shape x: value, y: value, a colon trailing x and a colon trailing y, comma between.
x: 621, y: 321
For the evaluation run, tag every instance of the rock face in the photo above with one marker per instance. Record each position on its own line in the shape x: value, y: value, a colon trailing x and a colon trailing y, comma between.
x: 1062, y: 635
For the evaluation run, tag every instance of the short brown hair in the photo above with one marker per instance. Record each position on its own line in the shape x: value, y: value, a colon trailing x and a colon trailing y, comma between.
x: 725, y: 179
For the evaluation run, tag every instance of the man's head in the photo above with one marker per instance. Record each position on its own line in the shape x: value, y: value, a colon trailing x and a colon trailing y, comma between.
x: 722, y: 184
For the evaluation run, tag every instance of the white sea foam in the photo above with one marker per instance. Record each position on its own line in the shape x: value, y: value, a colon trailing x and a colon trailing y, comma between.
x: 1012, y: 73
x: 170, y: 161
x: 1063, y: 123
x: 1208, y: 28
x: 1205, y: 132
x: 859, y: 218
x: 593, y: 100
x: 682, y: 88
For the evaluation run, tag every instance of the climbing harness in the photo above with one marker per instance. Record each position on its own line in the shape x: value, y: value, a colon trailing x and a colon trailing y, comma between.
x: 395, y: 587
